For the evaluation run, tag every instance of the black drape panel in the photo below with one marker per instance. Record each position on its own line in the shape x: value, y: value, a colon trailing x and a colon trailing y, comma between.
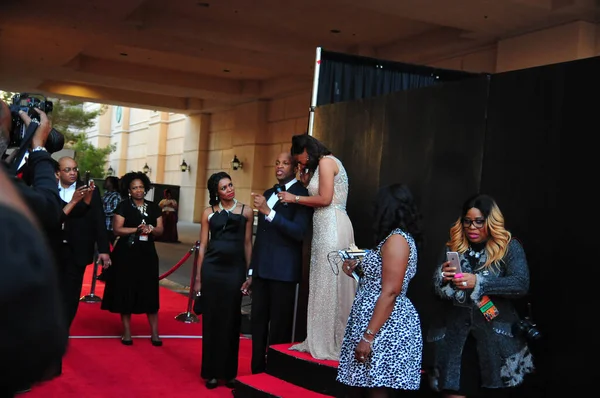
x: 431, y: 139
x: 345, y: 77
x: 539, y: 163
x: 526, y: 138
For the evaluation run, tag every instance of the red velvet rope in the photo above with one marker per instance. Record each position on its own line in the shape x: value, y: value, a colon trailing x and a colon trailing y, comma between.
x: 179, y: 263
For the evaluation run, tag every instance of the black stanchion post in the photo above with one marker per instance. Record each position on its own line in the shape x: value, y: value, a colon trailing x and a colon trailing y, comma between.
x: 188, y: 316
x: 92, y: 298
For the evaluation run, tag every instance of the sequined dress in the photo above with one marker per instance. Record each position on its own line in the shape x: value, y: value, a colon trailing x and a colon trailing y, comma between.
x: 331, y: 292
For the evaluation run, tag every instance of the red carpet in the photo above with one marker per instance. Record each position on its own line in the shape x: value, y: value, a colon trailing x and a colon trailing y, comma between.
x: 102, y: 367
x: 92, y: 321
x: 303, y: 355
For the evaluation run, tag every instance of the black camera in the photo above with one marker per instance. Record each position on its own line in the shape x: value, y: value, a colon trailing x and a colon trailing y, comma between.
x: 528, y: 329
x: 26, y: 103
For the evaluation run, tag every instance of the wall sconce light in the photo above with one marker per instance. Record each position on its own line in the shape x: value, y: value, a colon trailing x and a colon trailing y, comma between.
x: 110, y: 171
x: 236, y: 163
x: 184, y: 167
x: 146, y: 169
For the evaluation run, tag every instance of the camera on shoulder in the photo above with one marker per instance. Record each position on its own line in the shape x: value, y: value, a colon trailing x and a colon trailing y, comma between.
x: 27, y: 103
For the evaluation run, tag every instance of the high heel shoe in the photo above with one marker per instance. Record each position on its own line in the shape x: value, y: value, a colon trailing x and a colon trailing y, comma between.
x: 126, y: 341
x: 212, y: 383
x: 156, y: 343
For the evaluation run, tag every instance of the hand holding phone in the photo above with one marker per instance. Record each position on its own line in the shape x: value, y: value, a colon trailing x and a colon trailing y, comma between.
x: 454, y: 259
x: 91, y: 184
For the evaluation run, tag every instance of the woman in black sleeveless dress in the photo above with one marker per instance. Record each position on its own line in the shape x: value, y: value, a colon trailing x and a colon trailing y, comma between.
x: 223, y: 260
x: 132, y: 281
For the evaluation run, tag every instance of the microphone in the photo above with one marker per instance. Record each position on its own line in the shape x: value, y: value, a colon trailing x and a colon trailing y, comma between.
x: 280, y: 188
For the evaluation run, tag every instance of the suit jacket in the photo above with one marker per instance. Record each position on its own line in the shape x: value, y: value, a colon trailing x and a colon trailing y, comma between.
x: 40, y: 193
x: 277, y: 250
x: 85, y: 227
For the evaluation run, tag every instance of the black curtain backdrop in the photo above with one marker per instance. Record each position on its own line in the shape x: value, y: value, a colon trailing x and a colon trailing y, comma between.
x: 345, y: 77
x: 525, y: 137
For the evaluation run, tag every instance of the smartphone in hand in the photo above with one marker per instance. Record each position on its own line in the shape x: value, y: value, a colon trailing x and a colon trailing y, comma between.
x: 91, y: 184
x: 454, y: 259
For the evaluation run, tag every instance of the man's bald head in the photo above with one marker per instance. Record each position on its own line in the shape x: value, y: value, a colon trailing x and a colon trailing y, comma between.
x: 287, y: 155
x: 66, y: 159
x: 285, y: 167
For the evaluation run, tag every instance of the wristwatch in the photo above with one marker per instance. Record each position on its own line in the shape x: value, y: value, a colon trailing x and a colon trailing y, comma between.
x: 297, y: 198
x: 38, y: 149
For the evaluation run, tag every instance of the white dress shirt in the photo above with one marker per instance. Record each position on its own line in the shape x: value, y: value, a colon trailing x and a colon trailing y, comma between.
x: 273, y: 201
x: 66, y: 194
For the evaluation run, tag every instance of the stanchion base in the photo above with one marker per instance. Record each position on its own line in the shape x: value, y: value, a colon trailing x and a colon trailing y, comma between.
x: 91, y: 298
x: 187, y: 317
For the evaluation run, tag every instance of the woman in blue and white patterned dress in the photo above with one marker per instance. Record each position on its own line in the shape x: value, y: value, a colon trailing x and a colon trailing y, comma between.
x: 382, y: 346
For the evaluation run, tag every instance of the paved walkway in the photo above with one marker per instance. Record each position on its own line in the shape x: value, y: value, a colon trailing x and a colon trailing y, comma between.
x: 169, y: 254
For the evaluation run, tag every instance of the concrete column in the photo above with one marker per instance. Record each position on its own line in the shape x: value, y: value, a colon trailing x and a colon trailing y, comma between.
x: 120, y: 137
x: 193, y: 194
x: 156, y: 147
x: 249, y: 143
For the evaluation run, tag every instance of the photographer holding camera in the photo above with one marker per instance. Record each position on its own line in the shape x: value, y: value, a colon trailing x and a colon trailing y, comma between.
x: 34, y: 336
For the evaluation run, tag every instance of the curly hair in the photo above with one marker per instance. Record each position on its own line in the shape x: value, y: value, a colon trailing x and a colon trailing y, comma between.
x: 499, y: 238
x: 314, y: 148
x: 395, y: 207
x: 128, y: 178
x: 213, y: 186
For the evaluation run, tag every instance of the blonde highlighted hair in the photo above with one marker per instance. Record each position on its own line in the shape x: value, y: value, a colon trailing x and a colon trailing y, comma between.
x: 498, y: 237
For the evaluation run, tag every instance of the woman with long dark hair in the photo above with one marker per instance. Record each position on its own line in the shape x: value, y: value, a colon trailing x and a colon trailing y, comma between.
x: 132, y: 279
x: 383, y: 341
x: 476, y: 344
x: 223, y: 260
x: 330, y: 292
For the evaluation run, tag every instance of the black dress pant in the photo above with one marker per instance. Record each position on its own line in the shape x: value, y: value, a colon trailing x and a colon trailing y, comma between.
x: 71, y: 281
x: 272, y: 315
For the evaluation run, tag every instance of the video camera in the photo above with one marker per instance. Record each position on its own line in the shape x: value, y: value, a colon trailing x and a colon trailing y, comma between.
x: 26, y: 103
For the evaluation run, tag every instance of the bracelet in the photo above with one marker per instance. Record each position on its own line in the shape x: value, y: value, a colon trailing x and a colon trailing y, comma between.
x: 370, y: 332
x: 363, y: 338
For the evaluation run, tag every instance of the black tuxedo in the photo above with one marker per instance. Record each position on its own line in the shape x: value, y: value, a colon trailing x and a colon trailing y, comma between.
x: 83, y: 229
x: 276, y: 269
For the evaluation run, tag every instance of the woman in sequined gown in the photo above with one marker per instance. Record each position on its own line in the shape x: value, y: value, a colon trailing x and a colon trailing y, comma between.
x: 331, y: 293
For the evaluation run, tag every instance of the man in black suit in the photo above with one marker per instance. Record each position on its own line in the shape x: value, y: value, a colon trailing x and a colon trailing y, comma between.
x: 84, y: 227
x: 276, y: 265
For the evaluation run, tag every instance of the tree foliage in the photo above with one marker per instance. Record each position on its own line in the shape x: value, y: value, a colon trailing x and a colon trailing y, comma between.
x: 71, y: 119
x: 92, y: 159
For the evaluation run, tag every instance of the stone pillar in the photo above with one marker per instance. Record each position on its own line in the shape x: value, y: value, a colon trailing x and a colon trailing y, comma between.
x: 104, y: 127
x: 120, y: 137
x: 193, y: 182
x: 156, y: 146
x: 249, y: 144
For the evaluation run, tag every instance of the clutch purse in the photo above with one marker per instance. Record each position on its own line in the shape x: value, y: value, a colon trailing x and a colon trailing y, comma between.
x: 198, y: 304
